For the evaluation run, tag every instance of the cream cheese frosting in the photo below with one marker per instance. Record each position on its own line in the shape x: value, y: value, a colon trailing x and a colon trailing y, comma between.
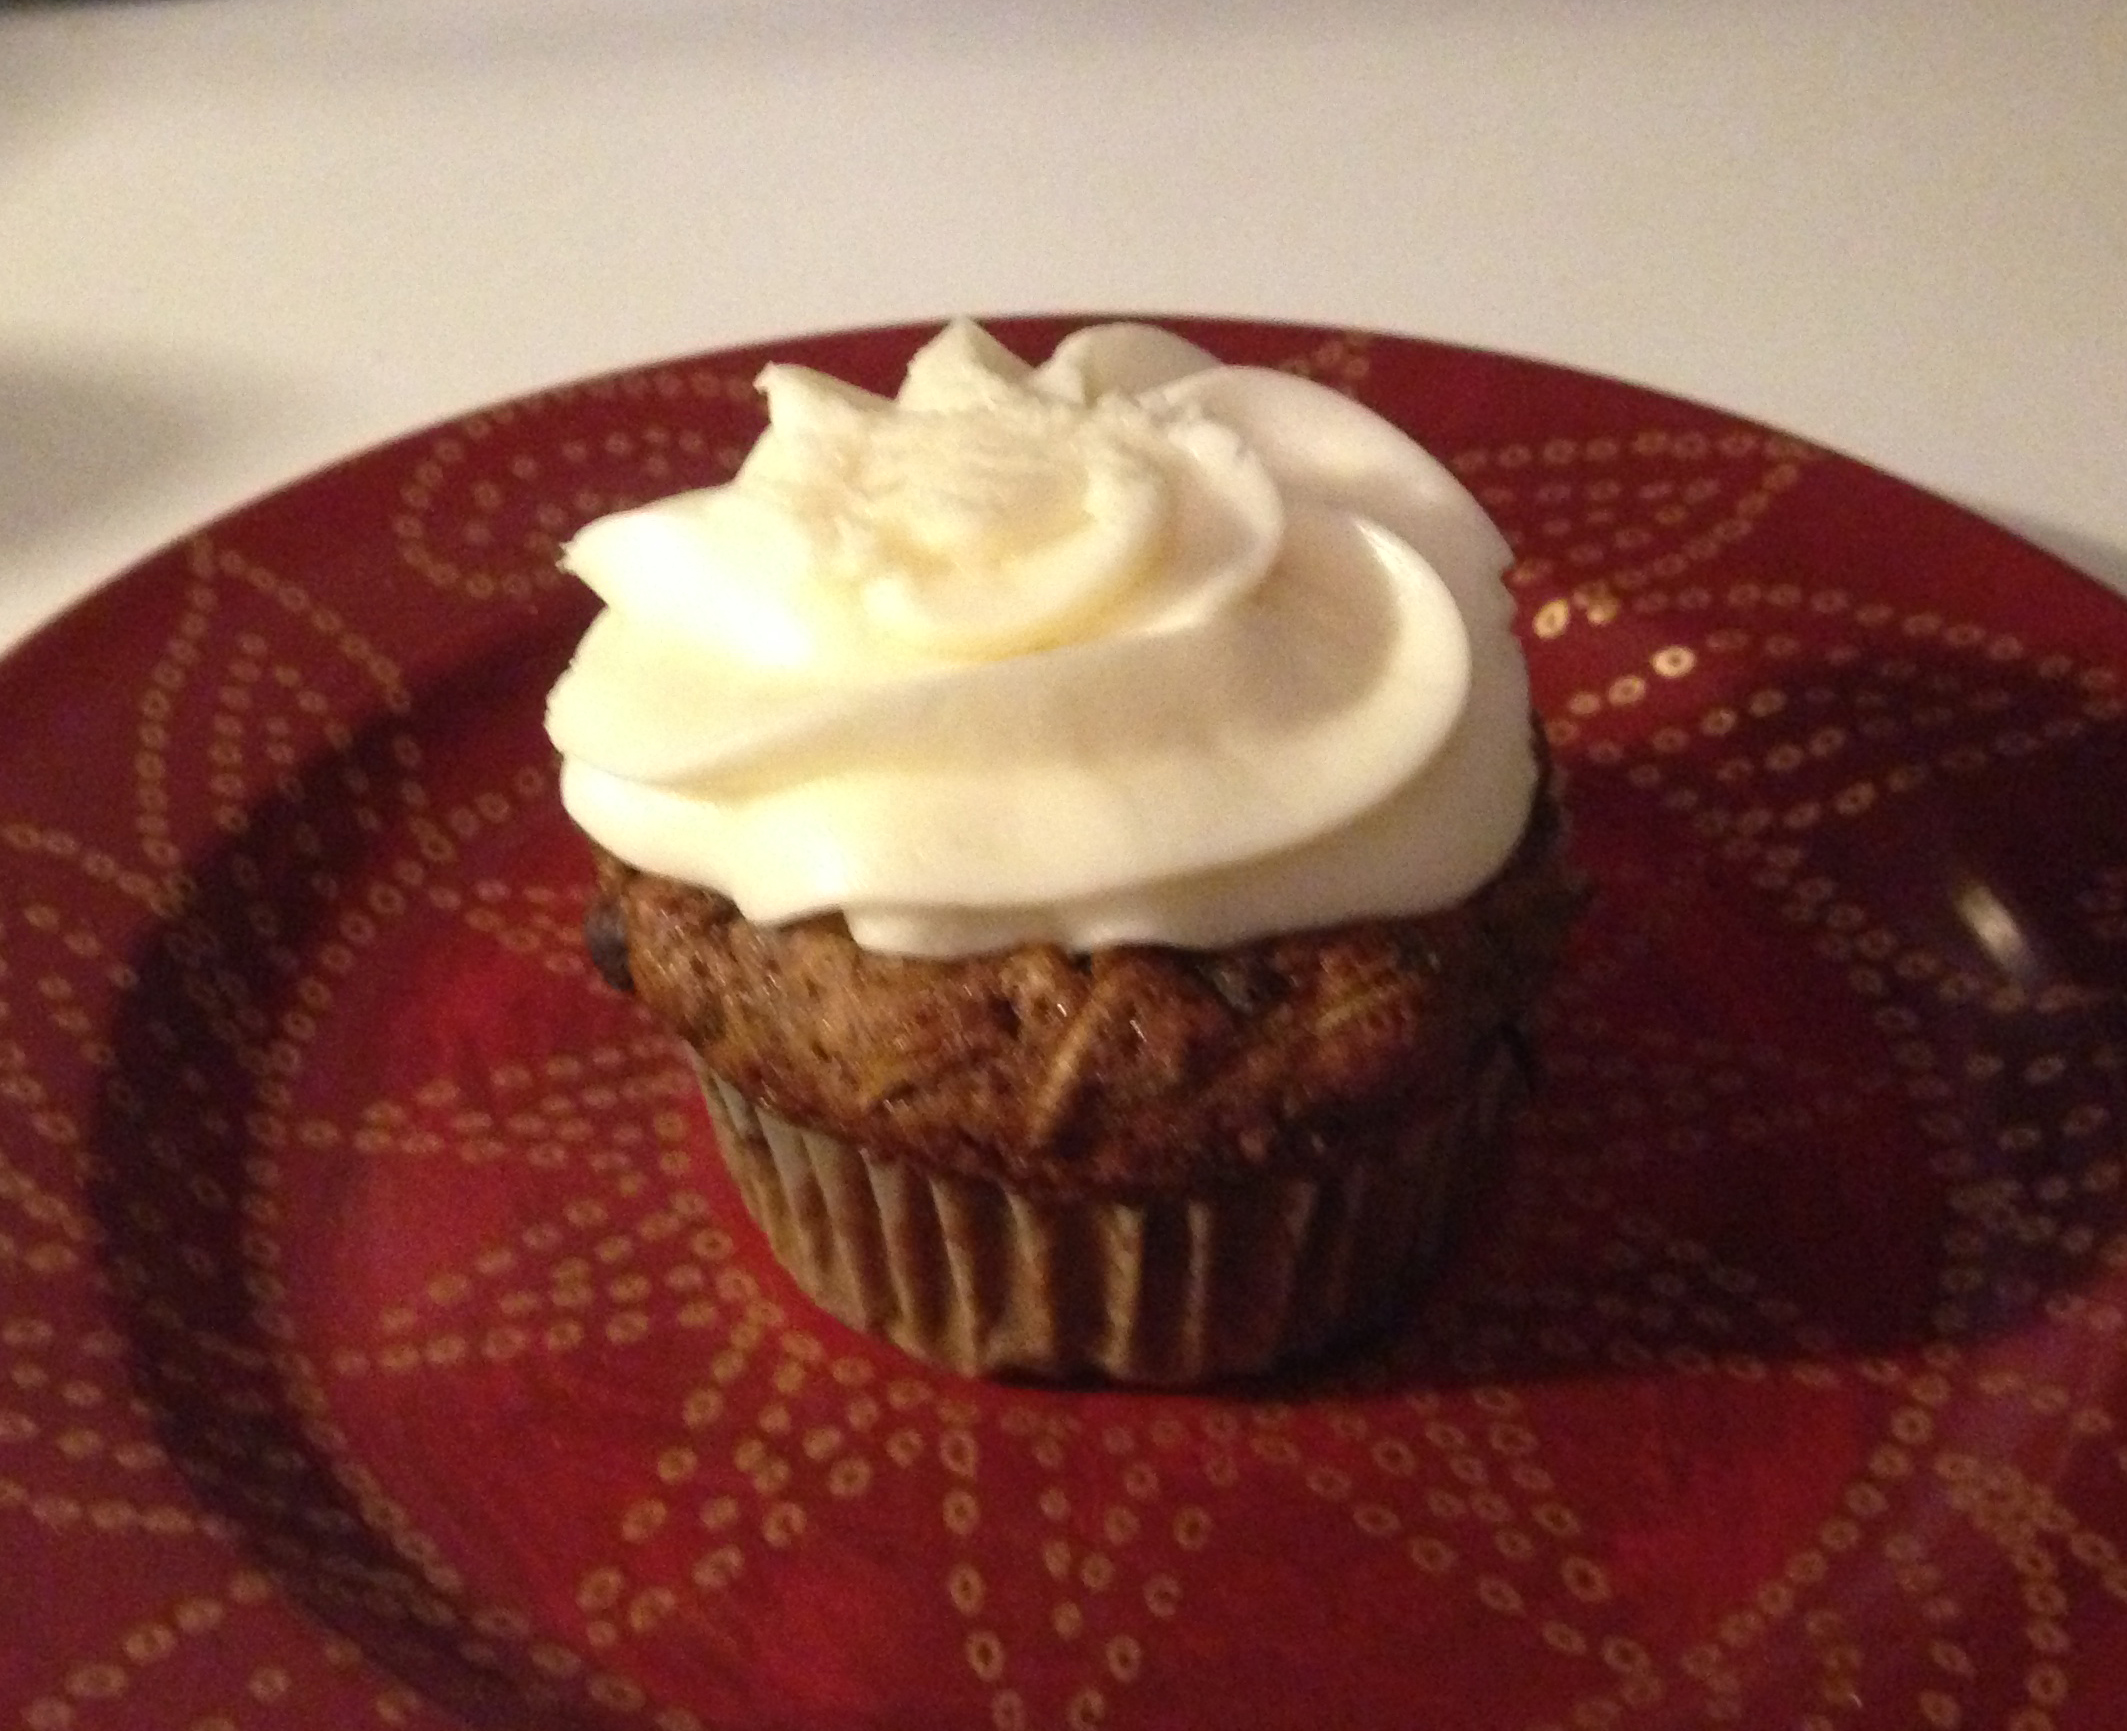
x: 1130, y: 647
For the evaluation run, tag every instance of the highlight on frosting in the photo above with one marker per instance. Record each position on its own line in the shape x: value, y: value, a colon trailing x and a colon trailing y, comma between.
x: 1127, y: 647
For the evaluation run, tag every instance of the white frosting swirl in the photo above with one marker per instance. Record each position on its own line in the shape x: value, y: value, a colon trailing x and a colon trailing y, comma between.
x: 1133, y: 647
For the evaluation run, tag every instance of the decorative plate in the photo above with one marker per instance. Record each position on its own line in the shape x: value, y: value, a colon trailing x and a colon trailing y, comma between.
x: 382, y: 1345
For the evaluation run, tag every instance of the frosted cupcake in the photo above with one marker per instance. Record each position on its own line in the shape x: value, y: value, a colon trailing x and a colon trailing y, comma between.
x: 1084, y: 822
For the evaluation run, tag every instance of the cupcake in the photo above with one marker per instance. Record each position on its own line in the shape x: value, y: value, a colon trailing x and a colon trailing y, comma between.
x: 1085, y: 825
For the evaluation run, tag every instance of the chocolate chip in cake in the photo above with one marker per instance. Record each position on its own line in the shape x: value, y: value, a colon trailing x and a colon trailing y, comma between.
x: 605, y: 935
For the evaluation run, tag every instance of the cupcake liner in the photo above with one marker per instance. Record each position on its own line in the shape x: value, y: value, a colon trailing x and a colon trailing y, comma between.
x: 1230, y: 1280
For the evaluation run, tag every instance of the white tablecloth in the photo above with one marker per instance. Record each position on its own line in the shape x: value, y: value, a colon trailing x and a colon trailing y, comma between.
x: 239, y: 238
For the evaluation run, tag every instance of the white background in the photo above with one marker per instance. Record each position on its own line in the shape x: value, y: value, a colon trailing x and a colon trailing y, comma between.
x: 239, y: 238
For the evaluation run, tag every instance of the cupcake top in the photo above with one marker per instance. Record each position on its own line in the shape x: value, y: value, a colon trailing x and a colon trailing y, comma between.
x: 1131, y: 647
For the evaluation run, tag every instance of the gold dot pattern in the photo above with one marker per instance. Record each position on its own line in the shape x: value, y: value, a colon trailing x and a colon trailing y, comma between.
x: 380, y: 1342
x: 487, y: 503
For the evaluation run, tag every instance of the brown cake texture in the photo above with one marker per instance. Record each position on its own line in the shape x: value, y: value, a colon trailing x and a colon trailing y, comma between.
x: 1156, y: 1164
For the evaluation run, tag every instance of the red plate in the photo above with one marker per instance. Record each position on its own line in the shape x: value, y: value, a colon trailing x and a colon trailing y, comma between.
x: 382, y: 1344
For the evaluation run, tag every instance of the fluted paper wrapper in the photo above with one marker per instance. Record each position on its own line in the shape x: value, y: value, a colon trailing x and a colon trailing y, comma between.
x: 1227, y: 1280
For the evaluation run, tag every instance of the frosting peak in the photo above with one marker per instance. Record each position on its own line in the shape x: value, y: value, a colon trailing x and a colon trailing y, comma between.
x: 981, y: 518
x: 1127, y: 647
